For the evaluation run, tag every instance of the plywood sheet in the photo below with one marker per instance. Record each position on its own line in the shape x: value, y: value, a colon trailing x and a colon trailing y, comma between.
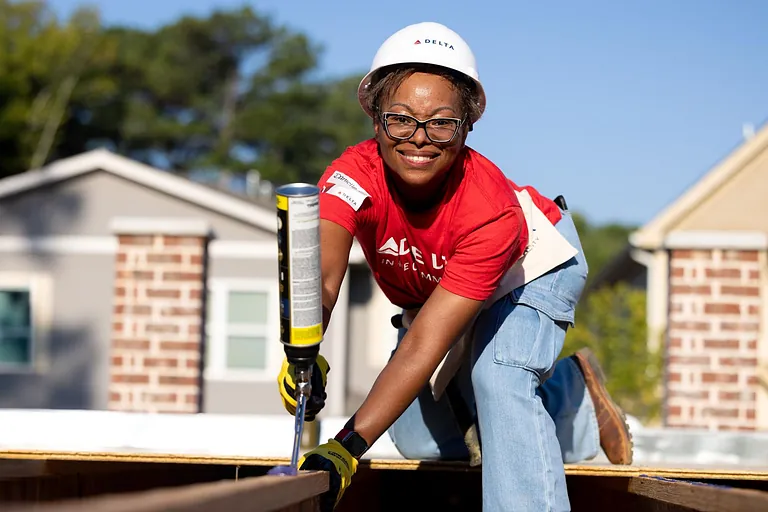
x: 699, y: 472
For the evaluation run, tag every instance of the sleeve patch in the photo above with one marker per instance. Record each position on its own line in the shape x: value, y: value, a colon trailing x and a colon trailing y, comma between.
x: 346, y: 189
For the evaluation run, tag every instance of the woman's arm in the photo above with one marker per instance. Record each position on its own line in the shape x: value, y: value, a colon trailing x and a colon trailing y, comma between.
x: 335, y: 244
x: 440, y: 322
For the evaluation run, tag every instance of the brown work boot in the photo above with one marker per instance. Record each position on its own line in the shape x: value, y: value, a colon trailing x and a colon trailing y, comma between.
x: 615, y: 438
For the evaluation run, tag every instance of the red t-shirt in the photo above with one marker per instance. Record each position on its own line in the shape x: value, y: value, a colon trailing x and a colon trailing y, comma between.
x: 466, y: 243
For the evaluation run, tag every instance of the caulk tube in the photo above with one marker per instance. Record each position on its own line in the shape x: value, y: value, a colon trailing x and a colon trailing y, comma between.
x: 301, y: 298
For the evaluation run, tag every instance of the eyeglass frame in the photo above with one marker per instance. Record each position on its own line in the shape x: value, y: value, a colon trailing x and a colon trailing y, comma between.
x: 420, y: 124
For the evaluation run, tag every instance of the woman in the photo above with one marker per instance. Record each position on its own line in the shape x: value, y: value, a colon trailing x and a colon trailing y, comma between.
x: 441, y: 226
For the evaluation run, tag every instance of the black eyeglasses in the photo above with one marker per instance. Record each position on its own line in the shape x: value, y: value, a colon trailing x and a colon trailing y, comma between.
x: 438, y: 129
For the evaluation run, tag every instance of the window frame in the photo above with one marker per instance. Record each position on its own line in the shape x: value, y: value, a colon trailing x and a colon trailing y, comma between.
x: 39, y: 288
x: 217, y: 330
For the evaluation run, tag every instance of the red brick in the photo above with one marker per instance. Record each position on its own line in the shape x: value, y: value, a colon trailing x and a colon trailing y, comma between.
x: 182, y: 276
x: 751, y: 414
x: 163, y: 294
x: 740, y: 326
x: 135, y: 239
x: 674, y: 410
x: 674, y: 377
x: 162, y: 328
x: 691, y: 290
x: 753, y: 310
x: 160, y: 397
x: 128, y: 378
x: 121, y: 309
x: 182, y: 241
x: 180, y: 346
x: 740, y: 255
x: 726, y: 344
x: 117, y: 360
x: 195, y: 294
x: 128, y: 344
x: 712, y: 377
x: 691, y: 326
x: 719, y: 412
x: 136, y: 275
x: 167, y: 362
x: 754, y: 274
x: 732, y: 273
x: 677, y: 272
x: 690, y: 395
x: 735, y: 395
x: 180, y: 311
x: 121, y: 257
x: 176, y: 380
x: 193, y: 363
x: 689, y: 360
x: 722, y: 309
x: 687, y: 254
x: 752, y: 345
x: 196, y: 259
x: 738, y: 361
x: 120, y: 291
x: 164, y: 258
x: 745, y: 291
x: 191, y: 399
x: 114, y: 396
x: 752, y: 380
x: 676, y: 342
x: 117, y: 326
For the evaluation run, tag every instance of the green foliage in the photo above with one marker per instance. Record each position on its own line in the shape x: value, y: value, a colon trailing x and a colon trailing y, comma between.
x: 601, y: 243
x: 612, y: 322
x: 231, y: 91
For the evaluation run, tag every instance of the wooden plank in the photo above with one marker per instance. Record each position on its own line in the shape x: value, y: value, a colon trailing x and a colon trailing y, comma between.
x: 669, y: 471
x: 258, y: 494
x: 700, y: 497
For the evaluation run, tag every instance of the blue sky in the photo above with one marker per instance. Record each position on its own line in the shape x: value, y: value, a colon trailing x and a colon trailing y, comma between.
x: 620, y: 106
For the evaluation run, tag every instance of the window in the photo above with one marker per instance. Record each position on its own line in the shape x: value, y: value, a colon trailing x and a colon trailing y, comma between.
x: 242, y: 330
x: 25, y: 319
x: 15, y: 326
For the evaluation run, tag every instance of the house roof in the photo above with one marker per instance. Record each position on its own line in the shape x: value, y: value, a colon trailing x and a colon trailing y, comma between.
x: 651, y: 235
x: 104, y: 160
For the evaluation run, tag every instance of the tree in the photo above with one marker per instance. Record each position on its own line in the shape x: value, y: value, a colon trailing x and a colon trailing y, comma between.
x: 44, y: 66
x: 231, y: 91
x: 601, y: 243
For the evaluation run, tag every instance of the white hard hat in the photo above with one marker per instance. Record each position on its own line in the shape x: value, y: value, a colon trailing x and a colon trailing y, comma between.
x: 429, y: 43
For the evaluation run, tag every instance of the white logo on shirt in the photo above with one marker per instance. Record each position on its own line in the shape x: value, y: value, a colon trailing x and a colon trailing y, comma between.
x: 392, y: 248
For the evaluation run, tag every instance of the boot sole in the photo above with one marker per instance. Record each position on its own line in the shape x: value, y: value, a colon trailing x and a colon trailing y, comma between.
x: 593, y: 367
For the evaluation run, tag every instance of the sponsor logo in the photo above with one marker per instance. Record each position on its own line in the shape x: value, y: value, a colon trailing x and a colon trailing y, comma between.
x: 427, y: 266
x: 447, y: 46
x: 346, y: 189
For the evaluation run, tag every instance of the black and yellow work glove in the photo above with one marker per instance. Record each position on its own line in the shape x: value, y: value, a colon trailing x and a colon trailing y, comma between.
x: 286, y: 383
x: 341, y: 465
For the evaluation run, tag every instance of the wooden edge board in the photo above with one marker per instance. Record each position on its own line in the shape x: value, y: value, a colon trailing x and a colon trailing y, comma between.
x: 255, y: 494
x: 698, y: 496
x: 389, y: 464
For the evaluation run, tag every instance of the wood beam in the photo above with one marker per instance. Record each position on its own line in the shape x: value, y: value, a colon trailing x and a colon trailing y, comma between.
x: 258, y: 494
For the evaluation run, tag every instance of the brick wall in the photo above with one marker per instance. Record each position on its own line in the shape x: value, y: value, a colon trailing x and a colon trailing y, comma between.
x: 157, y: 320
x: 713, y: 332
